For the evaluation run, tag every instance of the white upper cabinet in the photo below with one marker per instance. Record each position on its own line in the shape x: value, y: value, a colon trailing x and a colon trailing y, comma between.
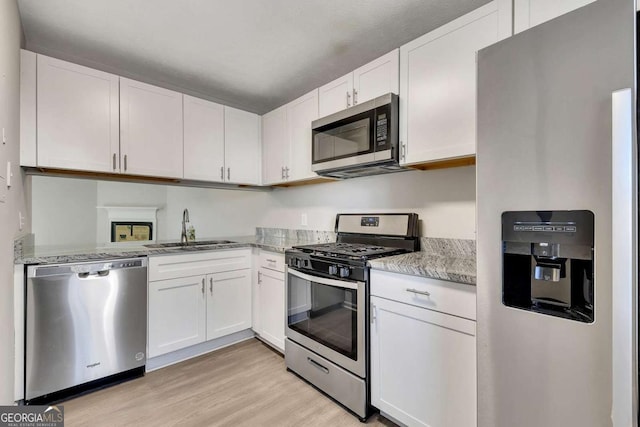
x: 77, y: 117
x: 374, y: 79
x: 150, y: 130
x: 242, y: 146
x: 300, y: 114
x: 203, y: 140
x: 336, y: 96
x: 377, y: 78
x: 286, y: 140
x: 438, y: 85
x: 28, y: 78
x: 275, y: 145
x: 529, y: 13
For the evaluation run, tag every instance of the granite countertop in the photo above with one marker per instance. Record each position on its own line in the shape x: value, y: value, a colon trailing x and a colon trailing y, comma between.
x: 274, y: 240
x: 452, y: 260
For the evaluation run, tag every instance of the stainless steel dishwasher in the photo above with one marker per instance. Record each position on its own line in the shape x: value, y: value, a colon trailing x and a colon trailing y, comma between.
x: 86, y: 323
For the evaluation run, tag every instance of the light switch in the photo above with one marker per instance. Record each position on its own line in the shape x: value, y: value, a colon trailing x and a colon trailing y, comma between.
x: 303, y: 219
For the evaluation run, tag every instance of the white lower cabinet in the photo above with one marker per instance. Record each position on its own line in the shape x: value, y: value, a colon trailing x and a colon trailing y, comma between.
x: 197, y: 297
x: 177, y: 313
x: 228, y: 303
x: 269, y: 290
x: 271, y: 307
x: 423, y: 362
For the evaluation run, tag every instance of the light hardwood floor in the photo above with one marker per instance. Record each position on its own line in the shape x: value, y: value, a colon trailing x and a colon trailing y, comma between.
x: 242, y: 385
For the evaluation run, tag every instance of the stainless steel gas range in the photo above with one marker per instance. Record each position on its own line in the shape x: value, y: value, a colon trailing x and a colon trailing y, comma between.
x: 327, y: 300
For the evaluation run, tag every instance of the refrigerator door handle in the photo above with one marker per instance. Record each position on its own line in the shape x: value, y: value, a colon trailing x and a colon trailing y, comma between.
x: 624, y: 255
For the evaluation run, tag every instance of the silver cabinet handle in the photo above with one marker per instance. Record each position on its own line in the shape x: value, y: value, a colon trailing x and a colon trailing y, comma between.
x: 348, y: 99
x: 271, y: 260
x: 203, y: 286
x: 282, y: 171
x: 259, y: 277
x: 228, y: 174
x: 317, y: 365
x: 221, y: 173
x: 286, y: 173
x: 125, y: 162
x: 114, y: 161
x: 415, y: 291
x: 355, y: 96
x: 372, y: 310
x: 211, y: 285
x: 402, y: 151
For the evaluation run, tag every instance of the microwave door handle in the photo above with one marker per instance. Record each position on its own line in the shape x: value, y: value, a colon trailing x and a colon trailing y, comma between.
x: 325, y: 281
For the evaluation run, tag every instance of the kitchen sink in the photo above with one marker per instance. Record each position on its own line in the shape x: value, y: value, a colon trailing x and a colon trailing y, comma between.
x: 189, y: 245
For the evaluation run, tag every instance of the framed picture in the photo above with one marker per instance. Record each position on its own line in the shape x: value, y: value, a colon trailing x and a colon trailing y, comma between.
x: 131, y: 231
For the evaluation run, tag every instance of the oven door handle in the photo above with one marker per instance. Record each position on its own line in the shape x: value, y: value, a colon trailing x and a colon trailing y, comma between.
x: 325, y: 281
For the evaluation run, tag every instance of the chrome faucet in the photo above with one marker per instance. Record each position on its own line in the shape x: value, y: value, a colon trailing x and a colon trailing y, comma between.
x: 185, y: 219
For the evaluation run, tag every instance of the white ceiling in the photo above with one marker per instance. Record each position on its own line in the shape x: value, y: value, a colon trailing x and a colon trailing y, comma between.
x: 251, y: 54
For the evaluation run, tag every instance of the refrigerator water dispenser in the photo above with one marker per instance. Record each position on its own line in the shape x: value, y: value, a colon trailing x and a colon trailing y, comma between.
x: 547, y: 263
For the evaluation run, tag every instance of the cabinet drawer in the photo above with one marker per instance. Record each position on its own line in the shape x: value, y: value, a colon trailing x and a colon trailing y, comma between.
x: 447, y: 297
x: 164, y: 267
x: 271, y: 260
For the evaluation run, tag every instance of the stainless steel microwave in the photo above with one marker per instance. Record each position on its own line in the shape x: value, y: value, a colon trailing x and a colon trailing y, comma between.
x: 361, y: 140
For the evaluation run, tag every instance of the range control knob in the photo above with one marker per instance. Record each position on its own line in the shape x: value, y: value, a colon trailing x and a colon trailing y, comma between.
x: 299, y: 262
x: 333, y: 270
x: 345, y: 271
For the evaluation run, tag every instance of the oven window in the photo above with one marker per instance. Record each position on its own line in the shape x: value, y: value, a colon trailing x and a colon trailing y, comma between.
x: 342, y: 141
x: 326, y: 314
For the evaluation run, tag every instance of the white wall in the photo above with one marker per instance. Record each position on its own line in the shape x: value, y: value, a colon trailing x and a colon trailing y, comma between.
x: 223, y: 213
x: 443, y: 199
x: 64, y: 211
x: 17, y: 195
x: 67, y: 211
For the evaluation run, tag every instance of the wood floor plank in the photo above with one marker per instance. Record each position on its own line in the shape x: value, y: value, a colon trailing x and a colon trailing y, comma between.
x: 242, y: 385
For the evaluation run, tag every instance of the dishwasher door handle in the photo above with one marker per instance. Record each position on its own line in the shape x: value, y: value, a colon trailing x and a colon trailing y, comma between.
x: 101, y: 273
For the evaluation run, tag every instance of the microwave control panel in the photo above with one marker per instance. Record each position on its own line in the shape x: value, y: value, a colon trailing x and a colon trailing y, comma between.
x: 381, y: 129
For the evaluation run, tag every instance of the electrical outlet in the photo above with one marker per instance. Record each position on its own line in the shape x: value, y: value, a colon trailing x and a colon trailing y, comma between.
x: 303, y: 220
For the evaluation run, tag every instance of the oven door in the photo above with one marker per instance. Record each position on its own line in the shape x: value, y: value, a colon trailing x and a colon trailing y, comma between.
x: 327, y: 316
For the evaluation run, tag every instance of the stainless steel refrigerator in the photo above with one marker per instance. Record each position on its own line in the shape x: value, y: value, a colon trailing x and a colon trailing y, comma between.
x: 557, y: 223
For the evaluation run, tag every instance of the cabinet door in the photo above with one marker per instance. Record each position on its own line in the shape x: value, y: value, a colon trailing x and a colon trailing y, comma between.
x: 275, y: 146
x: 271, y: 307
x: 300, y: 114
x: 77, y: 117
x: 177, y: 314
x: 529, y: 13
x: 203, y: 139
x: 150, y: 130
x: 423, y: 365
x: 335, y: 96
x: 377, y: 78
x: 242, y: 146
x: 228, y: 303
x: 438, y: 87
